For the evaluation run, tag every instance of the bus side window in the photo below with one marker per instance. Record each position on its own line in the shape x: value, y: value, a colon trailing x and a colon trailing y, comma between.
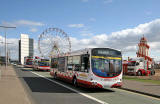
x: 85, y: 63
x: 61, y: 64
x: 77, y: 63
x: 77, y: 67
x: 70, y: 66
x: 74, y: 63
x: 69, y: 62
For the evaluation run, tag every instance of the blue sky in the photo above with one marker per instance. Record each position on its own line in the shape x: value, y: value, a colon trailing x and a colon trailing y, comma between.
x: 109, y: 17
x: 80, y: 19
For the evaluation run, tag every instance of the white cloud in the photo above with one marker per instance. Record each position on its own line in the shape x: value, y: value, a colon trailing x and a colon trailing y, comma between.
x: 148, y: 12
x: 92, y: 19
x: 86, y: 34
x: 22, y: 23
x: 33, y: 30
x: 12, y: 47
x: 125, y: 40
x: 36, y: 49
x: 84, y: 0
x: 1, y: 39
x: 31, y: 23
x: 76, y: 25
x: 105, y: 1
x: 108, y: 1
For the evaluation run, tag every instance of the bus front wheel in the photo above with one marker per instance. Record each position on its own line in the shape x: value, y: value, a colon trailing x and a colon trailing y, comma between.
x: 75, y: 81
x: 55, y: 75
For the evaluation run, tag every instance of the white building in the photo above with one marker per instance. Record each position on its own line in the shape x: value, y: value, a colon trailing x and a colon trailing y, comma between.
x: 25, y: 47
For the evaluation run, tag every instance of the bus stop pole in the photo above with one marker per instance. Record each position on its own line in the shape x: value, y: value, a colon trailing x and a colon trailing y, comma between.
x: 5, y: 50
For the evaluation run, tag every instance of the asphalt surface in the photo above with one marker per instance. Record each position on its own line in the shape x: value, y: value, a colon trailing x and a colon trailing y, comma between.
x: 43, y: 91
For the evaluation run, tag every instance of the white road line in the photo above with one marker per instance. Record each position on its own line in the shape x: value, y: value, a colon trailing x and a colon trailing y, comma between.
x: 88, y: 96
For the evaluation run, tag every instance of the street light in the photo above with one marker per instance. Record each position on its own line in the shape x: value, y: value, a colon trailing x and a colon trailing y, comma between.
x: 5, y: 27
x: 0, y: 47
x: 7, y: 51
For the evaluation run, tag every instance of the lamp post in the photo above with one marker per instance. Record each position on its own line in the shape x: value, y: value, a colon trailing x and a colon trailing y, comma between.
x: 5, y: 27
x: 7, y: 51
x: 0, y: 50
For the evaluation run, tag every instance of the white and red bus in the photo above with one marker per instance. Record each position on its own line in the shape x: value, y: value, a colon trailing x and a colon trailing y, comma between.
x: 41, y: 64
x: 28, y: 62
x: 92, y: 68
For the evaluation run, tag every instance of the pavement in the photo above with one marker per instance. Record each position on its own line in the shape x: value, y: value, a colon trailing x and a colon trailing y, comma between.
x: 22, y: 87
x: 142, y: 87
x: 11, y: 89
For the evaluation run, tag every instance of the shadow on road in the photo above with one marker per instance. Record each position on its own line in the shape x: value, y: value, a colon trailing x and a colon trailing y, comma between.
x: 39, y: 84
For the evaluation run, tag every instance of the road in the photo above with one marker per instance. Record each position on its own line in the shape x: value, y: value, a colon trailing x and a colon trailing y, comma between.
x: 42, y: 89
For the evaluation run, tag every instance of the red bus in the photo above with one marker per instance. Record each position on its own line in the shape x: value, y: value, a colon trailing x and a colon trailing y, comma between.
x: 41, y: 64
x: 28, y: 62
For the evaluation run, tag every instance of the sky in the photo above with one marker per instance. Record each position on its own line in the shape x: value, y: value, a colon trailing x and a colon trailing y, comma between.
x: 117, y: 24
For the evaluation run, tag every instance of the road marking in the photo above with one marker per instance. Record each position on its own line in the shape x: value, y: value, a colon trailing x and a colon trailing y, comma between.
x: 138, y: 94
x: 88, y: 96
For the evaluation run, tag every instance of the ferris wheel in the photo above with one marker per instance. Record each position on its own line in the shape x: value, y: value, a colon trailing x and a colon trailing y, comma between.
x: 53, y: 41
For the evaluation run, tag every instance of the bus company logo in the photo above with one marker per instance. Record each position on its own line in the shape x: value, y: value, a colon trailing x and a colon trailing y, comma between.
x: 107, y: 79
x: 83, y: 75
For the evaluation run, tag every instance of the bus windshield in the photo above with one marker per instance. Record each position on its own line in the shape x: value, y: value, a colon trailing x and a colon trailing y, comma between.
x: 44, y: 64
x: 106, y: 66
